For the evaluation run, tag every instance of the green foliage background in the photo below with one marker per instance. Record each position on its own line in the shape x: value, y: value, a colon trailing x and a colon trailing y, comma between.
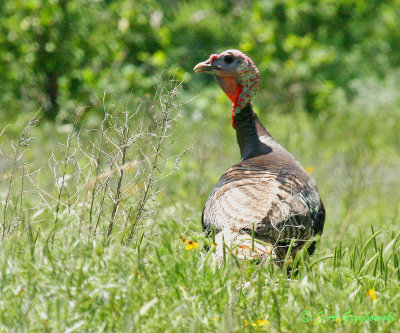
x: 329, y: 94
x: 65, y: 54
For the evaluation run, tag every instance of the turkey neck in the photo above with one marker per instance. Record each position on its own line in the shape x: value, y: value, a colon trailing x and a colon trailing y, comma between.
x: 249, y: 129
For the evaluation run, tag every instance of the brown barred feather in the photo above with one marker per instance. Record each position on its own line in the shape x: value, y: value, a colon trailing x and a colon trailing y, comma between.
x: 267, y: 188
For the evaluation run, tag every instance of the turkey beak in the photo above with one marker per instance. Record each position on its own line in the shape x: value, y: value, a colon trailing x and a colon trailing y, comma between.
x: 204, y: 66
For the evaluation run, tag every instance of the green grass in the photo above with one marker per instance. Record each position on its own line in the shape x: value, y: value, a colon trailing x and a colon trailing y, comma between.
x: 58, y: 275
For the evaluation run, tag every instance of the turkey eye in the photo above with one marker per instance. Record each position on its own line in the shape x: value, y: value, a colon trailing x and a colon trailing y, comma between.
x: 228, y: 59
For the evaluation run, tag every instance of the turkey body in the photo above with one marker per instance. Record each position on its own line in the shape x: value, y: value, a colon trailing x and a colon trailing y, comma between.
x: 267, y: 190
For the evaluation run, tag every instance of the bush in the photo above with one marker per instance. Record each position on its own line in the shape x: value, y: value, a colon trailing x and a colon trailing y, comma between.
x: 56, y: 54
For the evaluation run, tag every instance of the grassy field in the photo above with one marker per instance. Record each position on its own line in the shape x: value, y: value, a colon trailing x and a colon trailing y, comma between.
x: 101, y: 222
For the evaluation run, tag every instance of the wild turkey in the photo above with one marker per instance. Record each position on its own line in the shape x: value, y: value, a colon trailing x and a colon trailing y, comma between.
x: 267, y: 191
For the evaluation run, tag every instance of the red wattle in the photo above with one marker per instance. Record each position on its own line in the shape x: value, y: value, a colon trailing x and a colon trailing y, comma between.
x: 234, y: 101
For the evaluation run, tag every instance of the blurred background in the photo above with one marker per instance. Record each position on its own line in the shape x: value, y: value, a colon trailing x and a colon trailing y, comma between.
x: 315, y: 56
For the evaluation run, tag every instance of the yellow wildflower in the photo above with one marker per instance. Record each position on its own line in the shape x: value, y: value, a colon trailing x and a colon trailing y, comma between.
x: 260, y: 322
x: 191, y: 245
x: 310, y: 169
x: 371, y: 294
x: 183, y: 239
x: 246, y: 323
